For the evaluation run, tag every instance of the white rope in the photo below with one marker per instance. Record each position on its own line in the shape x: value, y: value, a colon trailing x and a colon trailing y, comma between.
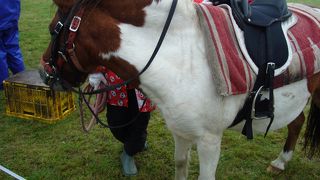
x: 11, y: 173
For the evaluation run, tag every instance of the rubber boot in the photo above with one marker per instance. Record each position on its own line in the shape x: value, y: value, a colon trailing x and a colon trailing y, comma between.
x: 128, y: 165
x: 145, y: 146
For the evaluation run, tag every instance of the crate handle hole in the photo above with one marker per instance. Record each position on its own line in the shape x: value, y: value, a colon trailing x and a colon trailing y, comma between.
x: 65, y: 109
x: 29, y: 113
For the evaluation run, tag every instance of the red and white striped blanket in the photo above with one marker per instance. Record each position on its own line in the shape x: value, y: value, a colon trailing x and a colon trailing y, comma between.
x: 230, y: 69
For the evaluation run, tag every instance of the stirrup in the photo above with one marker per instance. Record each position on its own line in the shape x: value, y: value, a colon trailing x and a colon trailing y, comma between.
x: 253, y: 109
x: 257, y: 95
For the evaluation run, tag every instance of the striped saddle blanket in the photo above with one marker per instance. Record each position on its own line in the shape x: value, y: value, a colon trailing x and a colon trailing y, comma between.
x: 232, y: 69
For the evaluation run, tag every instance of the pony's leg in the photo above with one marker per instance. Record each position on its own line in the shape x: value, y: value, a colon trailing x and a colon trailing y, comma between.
x: 312, y: 133
x: 209, y: 151
x: 181, y: 155
x: 294, y: 128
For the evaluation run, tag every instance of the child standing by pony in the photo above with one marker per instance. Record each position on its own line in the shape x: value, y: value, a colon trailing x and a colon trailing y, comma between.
x: 126, y: 106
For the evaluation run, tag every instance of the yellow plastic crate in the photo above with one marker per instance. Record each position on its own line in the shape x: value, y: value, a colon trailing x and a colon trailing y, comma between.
x: 27, y: 97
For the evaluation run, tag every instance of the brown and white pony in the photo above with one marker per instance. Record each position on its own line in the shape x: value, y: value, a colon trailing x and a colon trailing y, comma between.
x: 121, y: 35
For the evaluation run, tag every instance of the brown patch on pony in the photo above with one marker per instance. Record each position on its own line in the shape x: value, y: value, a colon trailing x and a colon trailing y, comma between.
x: 314, y: 88
x: 294, y: 129
x: 127, y: 11
x: 99, y: 32
x: 95, y: 37
x: 123, y: 69
x: 312, y: 130
x: 64, y: 5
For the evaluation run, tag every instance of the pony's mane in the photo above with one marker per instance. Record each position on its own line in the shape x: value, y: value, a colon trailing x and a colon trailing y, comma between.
x: 64, y: 3
x: 86, y: 3
x: 127, y: 11
x: 70, y: 3
x: 90, y: 3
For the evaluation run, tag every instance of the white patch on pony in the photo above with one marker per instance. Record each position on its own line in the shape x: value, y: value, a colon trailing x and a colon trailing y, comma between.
x: 282, y: 160
x: 107, y: 56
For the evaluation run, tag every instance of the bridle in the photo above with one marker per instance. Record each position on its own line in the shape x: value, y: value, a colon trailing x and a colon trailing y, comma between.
x: 66, y: 54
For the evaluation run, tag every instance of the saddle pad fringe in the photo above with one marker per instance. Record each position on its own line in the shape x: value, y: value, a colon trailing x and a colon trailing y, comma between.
x: 230, y: 71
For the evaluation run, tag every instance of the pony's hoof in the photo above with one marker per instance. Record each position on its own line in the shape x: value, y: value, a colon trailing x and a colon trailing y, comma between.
x: 274, y: 170
x: 128, y: 165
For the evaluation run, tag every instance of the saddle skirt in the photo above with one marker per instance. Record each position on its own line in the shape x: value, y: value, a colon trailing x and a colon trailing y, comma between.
x: 233, y: 69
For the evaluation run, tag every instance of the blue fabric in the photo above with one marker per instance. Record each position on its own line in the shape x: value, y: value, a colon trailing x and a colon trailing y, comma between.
x: 9, y: 13
x: 3, y: 64
x: 10, y: 53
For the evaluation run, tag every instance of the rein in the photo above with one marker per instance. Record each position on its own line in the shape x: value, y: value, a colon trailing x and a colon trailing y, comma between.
x: 53, y: 73
x: 155, y: 52
x: 99, y: 107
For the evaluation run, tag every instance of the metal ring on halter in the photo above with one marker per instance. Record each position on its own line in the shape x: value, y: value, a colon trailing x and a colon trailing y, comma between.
x: 63, y: 56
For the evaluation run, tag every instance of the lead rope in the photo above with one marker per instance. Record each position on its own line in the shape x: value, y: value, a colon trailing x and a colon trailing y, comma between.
x: 102, y: 90
x: 97, y: 107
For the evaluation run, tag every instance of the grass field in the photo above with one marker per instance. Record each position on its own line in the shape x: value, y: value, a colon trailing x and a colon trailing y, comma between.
x: 62, y: 151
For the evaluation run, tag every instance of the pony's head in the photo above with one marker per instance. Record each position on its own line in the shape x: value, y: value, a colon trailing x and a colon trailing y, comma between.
x: 86, y: 34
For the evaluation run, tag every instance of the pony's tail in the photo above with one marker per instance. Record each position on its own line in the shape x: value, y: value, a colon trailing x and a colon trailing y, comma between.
x: 312, y: 133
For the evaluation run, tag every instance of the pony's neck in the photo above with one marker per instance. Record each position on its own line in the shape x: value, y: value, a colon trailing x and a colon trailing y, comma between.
x: 181, y: 54
x: 183, y: 36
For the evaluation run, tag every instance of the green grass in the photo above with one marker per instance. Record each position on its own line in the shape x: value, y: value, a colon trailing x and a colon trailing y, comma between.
x: 62, y: 151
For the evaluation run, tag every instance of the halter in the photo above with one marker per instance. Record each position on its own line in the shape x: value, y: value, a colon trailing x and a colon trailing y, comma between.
x: 66, y: 53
